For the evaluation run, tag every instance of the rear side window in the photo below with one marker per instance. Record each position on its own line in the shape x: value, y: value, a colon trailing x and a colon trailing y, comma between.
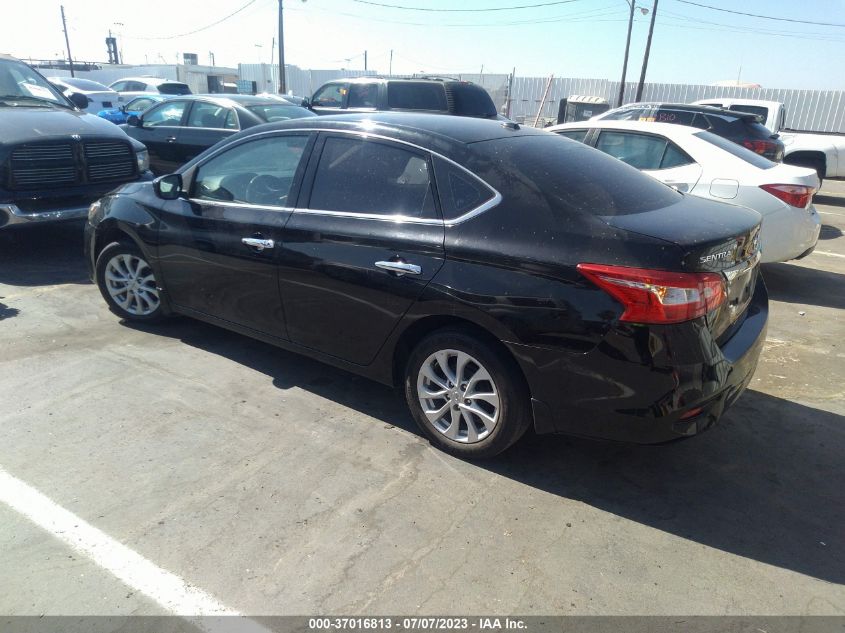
x: 416, y: 96
x: 736, y: 150
x: 362, y: 96
x: 364, y: 176
x: 642, y: 151
x: 571, y: 177
x: 174, y: 89
x: 575, y: 135
x: 211, y: 115
x: 136, y: 86
x: 471, y: 100
x: 459, y: 191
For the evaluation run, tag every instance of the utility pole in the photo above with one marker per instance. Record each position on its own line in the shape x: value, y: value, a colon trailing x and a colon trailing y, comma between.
x: 627, y: 50
x: 365, y: 61
x: 67, y: 41
x: 390, y: 72
x: 282, y: 84
x: 647, y: 50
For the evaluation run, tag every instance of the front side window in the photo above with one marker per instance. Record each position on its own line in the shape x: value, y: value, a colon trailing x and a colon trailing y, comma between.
x: 167, y: 114
x: 642, y: 151
x: 258, y: 172
x: 140, y: 104
x: 329, y: 96
x: 362, y: 176
x: 575, y: 135
x: 211, y: 115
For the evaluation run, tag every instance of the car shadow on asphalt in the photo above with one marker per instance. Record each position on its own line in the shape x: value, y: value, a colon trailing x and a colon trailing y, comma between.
x: 765, y: 483
x: 43, y: 255
x: 793, y: 283
x: 834, y: 201
x: 829, y: 232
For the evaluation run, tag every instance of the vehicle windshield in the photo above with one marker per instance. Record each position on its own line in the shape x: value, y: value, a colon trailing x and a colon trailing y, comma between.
x: 279, y: 112
x: 19, y: 80
x: 84, y: 84
x: 736, y: 150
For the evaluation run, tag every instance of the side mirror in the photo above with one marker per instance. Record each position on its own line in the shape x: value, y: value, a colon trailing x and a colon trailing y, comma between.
x: 79, y: 100
x: 168, y: 187
x: 306, y: 103
x: 122, y: 109
x: 134, y: 120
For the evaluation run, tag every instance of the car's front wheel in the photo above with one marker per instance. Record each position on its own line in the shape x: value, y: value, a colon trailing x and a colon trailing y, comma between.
x: 127, y: 283
x: 467, y: 397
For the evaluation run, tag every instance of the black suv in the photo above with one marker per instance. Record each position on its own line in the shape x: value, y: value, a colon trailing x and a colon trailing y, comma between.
x: 436, y: 95
x: 742, y: 128
x: 504, y: 276
x: 55, y: 160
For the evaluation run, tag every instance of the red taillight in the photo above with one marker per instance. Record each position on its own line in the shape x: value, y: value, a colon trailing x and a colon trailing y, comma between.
x: 761, y: 147
x: 657, y: 296
x: 793, y: 195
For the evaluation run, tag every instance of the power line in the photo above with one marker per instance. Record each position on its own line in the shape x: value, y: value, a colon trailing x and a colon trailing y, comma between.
x: 757, y: 15
x: 736, y: 28
x: 203, y: 28
x: 431, y: 9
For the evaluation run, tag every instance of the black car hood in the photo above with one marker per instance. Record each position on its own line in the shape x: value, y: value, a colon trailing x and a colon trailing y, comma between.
x: 25, y: 124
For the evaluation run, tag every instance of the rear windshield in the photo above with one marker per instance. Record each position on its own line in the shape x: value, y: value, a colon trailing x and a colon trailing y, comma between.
x: 416, y: 96
x: 736, y: 150
x: 472, y: 100
x: 279, y: 112
x: 85, y: 84
x: 569, y: 175
x: 174, y: 89
x: 736, y: 127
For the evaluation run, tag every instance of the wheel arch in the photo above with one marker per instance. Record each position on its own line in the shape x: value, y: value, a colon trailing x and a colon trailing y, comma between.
x: 807, y: 158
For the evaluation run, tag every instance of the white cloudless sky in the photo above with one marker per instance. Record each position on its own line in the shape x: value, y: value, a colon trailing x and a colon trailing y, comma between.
x: 576, y: 38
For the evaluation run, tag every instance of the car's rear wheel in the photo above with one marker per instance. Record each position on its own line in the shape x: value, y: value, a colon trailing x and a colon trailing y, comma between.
x: 465, y: 395
x: 127, y: 283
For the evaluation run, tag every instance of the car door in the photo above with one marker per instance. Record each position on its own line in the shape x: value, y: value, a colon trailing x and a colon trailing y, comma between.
x: 158, y: 131
x: 206, y: 124
x: 361, y: 246
x: 219, y: 248
x: 654, y: 154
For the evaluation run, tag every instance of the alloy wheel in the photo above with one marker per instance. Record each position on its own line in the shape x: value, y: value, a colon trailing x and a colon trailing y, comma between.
x: 131, y: 283
x: 458, y: 396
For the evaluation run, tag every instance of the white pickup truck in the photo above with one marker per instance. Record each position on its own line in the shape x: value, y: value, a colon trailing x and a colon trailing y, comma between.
x: 824, y: 152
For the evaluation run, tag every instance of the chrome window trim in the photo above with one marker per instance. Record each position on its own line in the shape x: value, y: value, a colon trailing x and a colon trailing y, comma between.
x: 485, y: 206
x: 239, y: 205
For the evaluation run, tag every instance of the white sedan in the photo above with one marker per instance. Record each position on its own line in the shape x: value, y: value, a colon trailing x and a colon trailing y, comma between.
x: 99, y: 96
x: 702, y: 164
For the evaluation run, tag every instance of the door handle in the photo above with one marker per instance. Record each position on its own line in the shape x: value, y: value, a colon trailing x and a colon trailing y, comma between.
x: 171, y: 139
x: 258, y: 243
x: 400, y: 268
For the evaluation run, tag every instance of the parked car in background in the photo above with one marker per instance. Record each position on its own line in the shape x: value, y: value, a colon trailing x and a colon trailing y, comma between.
x: 436, y: 95
x: 55, y: 160
x: 580, y: 108
x: 503, y: 276
x: 180, y: 128
x: 135, y: 86
x: 708, y: 166
x: 135, y: 106
x: 98, y: 95
x: 742, y: 128
x: 824, y: 152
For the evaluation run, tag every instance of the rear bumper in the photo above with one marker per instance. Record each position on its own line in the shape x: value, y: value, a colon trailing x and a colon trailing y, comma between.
x: 789, y: 233
x: 644, y: 384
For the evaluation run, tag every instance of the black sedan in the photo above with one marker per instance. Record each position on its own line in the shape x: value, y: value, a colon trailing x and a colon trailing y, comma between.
x: 504, y: 276
x: 177, y: 130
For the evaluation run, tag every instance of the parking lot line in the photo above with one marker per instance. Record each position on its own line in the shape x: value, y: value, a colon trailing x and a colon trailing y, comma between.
x: 165, y: 588
x: 829, y: 254
x: 841, y: 215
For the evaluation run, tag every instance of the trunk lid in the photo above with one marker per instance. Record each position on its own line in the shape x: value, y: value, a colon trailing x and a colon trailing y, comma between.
x: 711, y: 237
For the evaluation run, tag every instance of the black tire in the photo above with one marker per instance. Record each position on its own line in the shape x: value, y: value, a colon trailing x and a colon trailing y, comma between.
x: 514, y: 410
x: 139, y: 305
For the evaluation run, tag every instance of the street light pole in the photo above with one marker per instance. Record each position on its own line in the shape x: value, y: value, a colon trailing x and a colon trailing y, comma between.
x: 647, y: 50
x: 282, y: 83
x: 631, y: 3
x: 67, y: 41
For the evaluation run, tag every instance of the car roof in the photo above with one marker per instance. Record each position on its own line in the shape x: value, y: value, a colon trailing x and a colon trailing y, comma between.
x: 687, y: 107
x: 152, y: 81
x: 437, y: 131
x: 243, y: 100
x: 759, y: 102
x: 378, y: 79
